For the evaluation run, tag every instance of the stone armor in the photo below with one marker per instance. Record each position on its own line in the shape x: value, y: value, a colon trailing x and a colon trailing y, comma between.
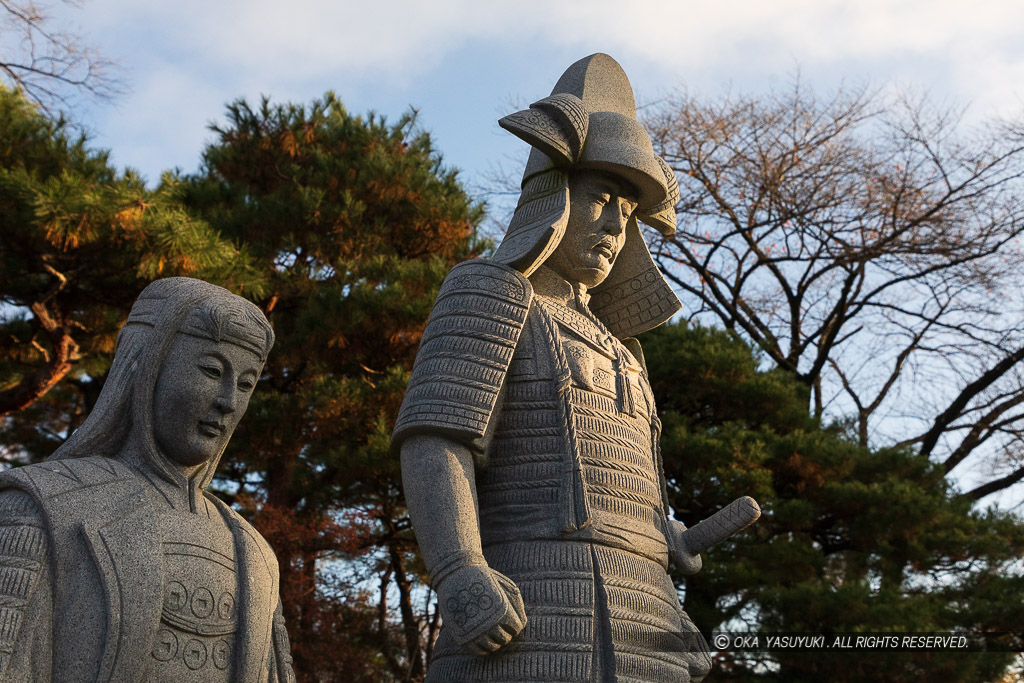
x: 569, y: 481
x: 145, y: 592
x: 198, y: 620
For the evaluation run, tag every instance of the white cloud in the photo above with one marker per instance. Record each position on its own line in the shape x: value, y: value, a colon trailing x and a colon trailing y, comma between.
x: 274, y: 41
x: 319, y: 34
x: 189, y: 56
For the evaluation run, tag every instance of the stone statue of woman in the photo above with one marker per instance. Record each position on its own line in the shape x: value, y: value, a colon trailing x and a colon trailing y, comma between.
x: 116, y: 563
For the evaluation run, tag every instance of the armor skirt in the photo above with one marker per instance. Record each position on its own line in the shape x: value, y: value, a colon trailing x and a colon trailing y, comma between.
x: 594, y: 614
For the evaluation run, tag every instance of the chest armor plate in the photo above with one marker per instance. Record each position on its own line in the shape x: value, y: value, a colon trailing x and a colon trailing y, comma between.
x: 198, y: 622
x: 610, y: 408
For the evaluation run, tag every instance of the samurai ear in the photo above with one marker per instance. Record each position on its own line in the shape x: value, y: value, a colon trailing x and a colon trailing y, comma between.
x: 663, y: 216
x: 556, y: 125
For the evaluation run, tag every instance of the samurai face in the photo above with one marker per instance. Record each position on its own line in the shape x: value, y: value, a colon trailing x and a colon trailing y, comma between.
x: 600, y: 206
x: 201, y: 394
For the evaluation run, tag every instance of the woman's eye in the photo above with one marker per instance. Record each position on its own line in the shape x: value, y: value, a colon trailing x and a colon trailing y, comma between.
x: 210, y: 371
x: 602, y: 199
x: 246, y: 385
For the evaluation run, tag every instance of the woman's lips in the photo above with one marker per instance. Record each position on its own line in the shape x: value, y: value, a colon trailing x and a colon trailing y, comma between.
x: 209, y: 428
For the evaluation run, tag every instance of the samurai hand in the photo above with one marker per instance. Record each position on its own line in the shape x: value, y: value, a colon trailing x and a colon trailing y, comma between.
x: 685, y: 561
x: 483, y: 608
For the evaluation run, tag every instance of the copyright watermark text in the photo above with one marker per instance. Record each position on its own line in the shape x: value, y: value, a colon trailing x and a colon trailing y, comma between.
x: 866, y: 642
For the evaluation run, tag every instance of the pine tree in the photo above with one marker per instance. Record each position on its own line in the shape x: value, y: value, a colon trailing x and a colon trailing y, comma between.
x: 354, y: 223
x: 852, y: 539
x: 78, y: 242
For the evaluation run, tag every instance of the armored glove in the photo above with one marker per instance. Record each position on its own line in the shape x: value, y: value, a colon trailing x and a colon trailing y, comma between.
x: 482, y: 607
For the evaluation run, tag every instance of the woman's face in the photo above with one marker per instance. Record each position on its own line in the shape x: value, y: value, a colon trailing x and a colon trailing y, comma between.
x: 201, y: 393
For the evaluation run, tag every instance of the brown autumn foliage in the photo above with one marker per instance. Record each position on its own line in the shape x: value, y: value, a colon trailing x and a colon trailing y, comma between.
x: 355, y: 223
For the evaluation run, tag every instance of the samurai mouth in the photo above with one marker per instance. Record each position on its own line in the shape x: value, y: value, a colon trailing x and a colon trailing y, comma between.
x: 606, y: 248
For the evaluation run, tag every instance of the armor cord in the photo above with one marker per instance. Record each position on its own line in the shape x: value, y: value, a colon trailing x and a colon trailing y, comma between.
x: 628, y: 404
x: 624, y: 389
x: 660, y: 462
x: 576, y: 510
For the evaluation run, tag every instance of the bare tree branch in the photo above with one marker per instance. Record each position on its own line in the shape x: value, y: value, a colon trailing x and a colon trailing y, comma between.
x: 866, y: 244
x: 995, y: 485
x: 51, y: 64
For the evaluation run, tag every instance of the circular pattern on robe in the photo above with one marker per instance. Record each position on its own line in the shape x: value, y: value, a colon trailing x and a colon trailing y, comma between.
x: 225, y: 605
x: 166, y: 645
x: 635, y: 284
x: 202, y: 603
x: 221, y: 654
x: 650, y: 276
x: 194, y: 654
x: 175, y: 596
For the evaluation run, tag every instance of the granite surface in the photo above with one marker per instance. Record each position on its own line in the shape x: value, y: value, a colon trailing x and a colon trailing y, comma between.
x: 529, y: 435
x: 116, y: 563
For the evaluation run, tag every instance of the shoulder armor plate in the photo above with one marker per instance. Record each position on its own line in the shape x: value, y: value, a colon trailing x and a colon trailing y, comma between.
x: 53, y: 478
x: 465, y: 352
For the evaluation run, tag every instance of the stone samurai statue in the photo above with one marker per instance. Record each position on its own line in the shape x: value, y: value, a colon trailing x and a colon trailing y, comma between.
x: 116, y: 563
x: 528, y: 434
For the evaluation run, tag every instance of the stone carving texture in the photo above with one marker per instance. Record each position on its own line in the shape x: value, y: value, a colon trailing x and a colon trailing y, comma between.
x: 545, y: 132
x: 541, y: 211
x: 466, y: 350
x: 627, y: 306
x: 572, y: 116
x: 543, y: 519
x: 116, y: 564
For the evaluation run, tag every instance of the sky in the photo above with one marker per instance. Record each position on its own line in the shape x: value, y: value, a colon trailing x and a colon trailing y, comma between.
x: 462, y: 64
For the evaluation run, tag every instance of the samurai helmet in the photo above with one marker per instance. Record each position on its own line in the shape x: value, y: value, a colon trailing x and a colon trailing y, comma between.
x: 589, y: 122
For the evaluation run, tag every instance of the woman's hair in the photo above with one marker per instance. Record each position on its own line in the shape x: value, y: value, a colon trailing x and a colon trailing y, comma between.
x: 164, y: 309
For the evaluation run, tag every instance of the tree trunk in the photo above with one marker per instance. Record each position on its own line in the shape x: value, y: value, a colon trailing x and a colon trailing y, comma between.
x: 60, y: 359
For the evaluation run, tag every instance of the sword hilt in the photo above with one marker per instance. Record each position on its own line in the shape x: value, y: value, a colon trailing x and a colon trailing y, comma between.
x: 732, y: 519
